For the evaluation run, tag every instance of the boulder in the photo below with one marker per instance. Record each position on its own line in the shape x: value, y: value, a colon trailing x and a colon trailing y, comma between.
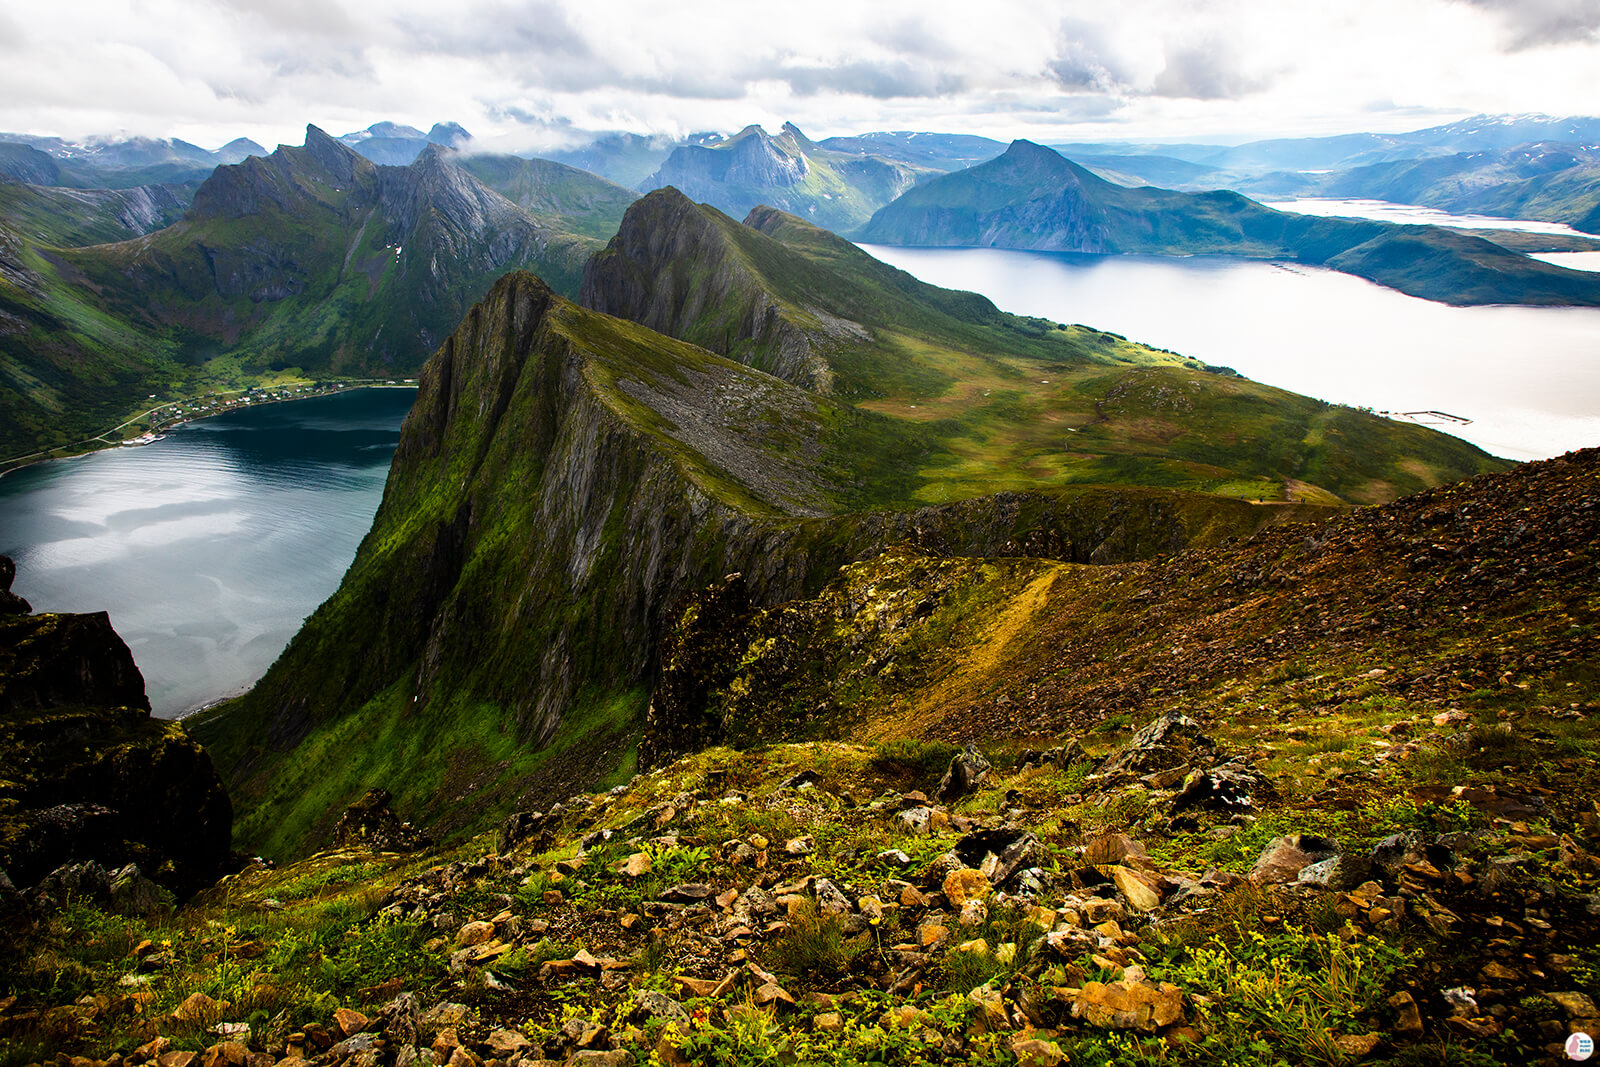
x: 371, y: 823
x: 966, y: 772
x: 86, y: 775
x: 1232, y: 787
x: 1173, y: 740
x: 1285, y: 857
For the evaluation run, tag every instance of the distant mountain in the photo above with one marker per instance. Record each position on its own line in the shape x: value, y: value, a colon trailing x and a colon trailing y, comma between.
x: 1032, y: 197
x: 25, y: 163
x: 563, y: 197
x: 1232, y: 163
x: 68, y: 218
x: 238, y: 150
x: 932, y: 151
x: 397, y: 146
x: 625, y: 158
x: 1553, y: 182
x: 835, y: 190
x: 110, y: 163
x: 313, y: 257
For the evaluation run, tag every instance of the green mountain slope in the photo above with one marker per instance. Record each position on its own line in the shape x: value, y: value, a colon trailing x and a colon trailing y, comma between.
x: 1034, y: 198
x: 838, y: 190
x: 1003, y: 401
x: 67, y: 218
x: 566, y: 477
x: 312, y: 261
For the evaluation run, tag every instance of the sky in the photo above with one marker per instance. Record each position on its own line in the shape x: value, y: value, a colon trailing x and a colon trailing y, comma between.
x: 529, y: 74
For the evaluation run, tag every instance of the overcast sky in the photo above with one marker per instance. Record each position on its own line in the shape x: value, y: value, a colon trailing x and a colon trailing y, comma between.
x: 532, y: 72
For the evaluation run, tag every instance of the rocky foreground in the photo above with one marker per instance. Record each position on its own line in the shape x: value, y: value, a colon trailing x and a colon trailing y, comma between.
x: 1162, y: 901
x: 1354, y: 821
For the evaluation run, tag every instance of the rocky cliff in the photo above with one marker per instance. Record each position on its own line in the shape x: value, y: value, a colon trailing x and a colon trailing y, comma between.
x: 679, y: 270
x: 86, y: 775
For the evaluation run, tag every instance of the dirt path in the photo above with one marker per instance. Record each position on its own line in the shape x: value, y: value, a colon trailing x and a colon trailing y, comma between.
x: 977, y: 671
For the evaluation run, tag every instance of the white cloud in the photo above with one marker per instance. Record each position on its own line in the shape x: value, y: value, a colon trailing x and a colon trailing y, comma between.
x: 209, y: 71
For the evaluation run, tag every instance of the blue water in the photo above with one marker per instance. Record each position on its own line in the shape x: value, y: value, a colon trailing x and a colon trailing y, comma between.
x: 210, y: 547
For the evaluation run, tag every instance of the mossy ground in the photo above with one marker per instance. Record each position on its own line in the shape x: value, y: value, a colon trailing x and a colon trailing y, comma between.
x: 1268, y: 976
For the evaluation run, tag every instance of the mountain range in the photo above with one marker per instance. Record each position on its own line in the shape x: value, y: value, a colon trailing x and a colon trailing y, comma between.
x: 568, y: 474
x: 1548, y: 181
x: 835, y: 190
x: 1032, y: 197
x: 312, y: 258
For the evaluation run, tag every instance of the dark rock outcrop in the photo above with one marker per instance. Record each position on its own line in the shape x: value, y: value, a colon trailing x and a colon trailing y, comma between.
x: 10, y: 603
x: 86, y: 775
x: 371, y: 823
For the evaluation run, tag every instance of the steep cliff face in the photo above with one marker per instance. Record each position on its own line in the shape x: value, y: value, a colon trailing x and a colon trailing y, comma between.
x: 85, y: 773
x: 563, y: 480
x: 312, y: 238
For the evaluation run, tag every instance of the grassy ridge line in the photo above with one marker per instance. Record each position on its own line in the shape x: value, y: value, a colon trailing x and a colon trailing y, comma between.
x: 1002, y: 401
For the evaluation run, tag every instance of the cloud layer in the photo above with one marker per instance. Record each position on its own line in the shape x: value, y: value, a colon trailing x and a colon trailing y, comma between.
x: 534, y: 72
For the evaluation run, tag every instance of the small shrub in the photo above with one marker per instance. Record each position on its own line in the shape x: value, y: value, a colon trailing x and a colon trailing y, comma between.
x: 812, y: 950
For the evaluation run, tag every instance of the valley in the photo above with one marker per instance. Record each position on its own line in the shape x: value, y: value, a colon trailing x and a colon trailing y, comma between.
x: 745, y: 650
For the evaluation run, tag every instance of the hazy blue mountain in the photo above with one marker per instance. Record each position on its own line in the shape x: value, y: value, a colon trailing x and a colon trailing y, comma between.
x: 1554, y: 182
x: 566, y: 198
x: 1481, y: 133
x: 397, y: 146
x: 932, y: 151
x: 789, y: 171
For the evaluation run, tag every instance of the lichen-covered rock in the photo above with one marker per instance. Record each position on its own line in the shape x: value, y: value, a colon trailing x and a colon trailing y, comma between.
x: 1171, y: 740
x: 371, y: 823
x: 966, y: 772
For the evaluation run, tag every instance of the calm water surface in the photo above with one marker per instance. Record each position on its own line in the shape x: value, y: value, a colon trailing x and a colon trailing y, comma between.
x: 1528, y: 378
x: 210, y: 547
x: 1412, y: 214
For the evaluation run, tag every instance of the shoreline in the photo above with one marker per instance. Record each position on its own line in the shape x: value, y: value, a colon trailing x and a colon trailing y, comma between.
x: 267, y: 397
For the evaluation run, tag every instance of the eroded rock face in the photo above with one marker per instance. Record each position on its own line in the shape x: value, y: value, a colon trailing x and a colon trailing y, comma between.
x: 86, y: 774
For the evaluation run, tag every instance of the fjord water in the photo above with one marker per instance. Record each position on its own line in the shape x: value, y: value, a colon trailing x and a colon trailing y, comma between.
x: 210, y: 547
x: 1528, y: 378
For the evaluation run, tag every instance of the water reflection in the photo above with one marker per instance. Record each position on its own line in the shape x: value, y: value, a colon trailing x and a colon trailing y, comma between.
x: 208, y: 548
x: 1529, y: 378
